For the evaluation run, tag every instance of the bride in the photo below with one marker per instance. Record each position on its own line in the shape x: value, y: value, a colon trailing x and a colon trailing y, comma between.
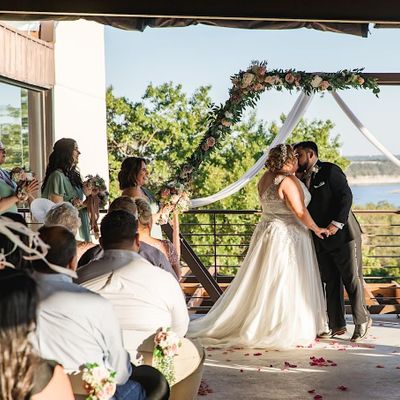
x: 276, y: 299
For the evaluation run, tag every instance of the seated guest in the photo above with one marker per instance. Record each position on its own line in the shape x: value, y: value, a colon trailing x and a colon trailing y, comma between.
x: 150, y: 253
x: 144, y: 297
x: 11, y: 193
x: 67, y: 215
x: 145, y: 219
x: 23, y: 374
x: 75, y: 325
x: 13, y: 254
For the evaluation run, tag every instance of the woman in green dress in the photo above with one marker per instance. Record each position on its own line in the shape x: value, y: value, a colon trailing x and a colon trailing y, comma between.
x: 63, y: 182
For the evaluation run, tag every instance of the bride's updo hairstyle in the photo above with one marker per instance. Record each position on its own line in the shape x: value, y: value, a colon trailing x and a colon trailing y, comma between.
x: 278, y: 156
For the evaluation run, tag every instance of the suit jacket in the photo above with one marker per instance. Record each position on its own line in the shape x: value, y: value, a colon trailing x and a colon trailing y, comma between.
x: 331, y: 200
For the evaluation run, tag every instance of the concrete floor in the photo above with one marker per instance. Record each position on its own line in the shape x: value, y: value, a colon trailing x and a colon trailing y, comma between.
x: 367, y: 370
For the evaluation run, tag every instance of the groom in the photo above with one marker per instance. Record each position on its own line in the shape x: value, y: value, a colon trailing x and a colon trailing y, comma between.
x: 330, y: 206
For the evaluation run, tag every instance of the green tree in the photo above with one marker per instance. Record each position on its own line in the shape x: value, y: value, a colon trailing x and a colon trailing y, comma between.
x: 14, y: 133
x: 164, y: 126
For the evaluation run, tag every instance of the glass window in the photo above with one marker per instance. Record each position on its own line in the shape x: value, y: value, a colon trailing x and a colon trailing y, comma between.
x: 14, y: 128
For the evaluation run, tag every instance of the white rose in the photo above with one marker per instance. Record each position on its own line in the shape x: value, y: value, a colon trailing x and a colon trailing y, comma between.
x: 270, y: 79
x: 316, y: 81
x: 228, y: 115
x: 247, y: 79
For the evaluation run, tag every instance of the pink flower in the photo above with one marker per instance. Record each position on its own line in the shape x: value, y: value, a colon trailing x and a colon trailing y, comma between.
x: 165, y: 193
x: 259, y: 69
x: 107, y: 392
x: 258, y: 87
x: 225, y: 122
x: 270, y: 80
x: 360, y: 80
x: 289, y: 78
x: 210, y: 141
x: 324, y: 85
x: 160, y: 337
x: 235, y: 98
x: 297, y: 78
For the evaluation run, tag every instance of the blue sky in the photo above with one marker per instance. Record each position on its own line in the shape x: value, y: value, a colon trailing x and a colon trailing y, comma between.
x: 200, y: 55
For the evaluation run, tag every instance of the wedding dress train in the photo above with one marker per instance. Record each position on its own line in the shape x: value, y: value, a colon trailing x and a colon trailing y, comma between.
x: 276, y: 299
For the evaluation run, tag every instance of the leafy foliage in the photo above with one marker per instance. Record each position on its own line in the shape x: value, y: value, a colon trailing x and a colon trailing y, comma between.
x: 14, y: 133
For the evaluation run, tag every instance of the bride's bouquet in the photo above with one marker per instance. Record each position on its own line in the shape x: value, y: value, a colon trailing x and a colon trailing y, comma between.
x: 99, y: 382
x: 166, y: 347
x: 173, y: 197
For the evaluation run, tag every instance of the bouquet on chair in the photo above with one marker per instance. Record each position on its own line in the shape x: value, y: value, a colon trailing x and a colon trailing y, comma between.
x: 166, y: 347
x: 99, y: 382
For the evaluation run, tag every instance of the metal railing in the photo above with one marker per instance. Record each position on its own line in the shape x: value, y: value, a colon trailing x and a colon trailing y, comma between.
x: 215, y: 242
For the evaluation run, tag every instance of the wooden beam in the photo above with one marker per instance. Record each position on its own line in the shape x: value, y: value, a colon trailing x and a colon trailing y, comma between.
x: 358, y: 11
x: 196, y: 266
x: 385, y: 78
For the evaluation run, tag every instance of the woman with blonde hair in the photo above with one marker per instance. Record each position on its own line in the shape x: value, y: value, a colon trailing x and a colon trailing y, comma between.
x: 170, y: 250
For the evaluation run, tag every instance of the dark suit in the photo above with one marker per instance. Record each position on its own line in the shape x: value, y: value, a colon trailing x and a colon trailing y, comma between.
x: 331, y: 200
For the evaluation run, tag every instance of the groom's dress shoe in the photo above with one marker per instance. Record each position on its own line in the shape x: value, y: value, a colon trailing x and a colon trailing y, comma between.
x: 339, y: 331
x: 361, y: 330
x: 332, y: 332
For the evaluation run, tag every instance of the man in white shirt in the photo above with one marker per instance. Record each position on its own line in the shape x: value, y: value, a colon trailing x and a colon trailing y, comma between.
x: 74, y: 325
x: 145, y: 298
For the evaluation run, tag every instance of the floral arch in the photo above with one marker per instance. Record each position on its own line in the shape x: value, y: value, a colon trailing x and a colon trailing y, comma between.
x: 247, y: 86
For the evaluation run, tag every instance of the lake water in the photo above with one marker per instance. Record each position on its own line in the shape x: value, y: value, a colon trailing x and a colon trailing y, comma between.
x: 364, y: 194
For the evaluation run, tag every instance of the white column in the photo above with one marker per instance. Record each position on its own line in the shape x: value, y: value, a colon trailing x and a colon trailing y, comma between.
x: 79, y: 92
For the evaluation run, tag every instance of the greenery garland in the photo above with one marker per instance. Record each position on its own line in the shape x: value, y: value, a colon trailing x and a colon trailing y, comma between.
x: 245, y: 92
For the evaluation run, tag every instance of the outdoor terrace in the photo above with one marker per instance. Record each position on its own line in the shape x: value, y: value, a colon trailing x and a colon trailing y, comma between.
x: 366, y: 370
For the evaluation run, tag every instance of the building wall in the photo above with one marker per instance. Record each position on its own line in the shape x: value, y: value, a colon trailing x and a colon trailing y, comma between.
x: 79, y: 92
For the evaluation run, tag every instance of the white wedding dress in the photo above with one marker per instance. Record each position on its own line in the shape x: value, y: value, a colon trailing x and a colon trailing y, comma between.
x: 276, y: 299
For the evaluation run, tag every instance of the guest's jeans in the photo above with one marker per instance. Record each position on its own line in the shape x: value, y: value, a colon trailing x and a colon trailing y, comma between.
x: 131, y: 390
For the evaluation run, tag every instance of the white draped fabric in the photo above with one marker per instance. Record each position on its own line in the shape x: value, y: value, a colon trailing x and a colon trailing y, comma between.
x: 364, y: 130
x: 292, y: 120
x: 287, y: 128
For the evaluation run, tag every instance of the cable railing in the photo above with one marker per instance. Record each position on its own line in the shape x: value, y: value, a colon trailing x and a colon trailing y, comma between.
x: 218, y: 241
x: 221, y: 238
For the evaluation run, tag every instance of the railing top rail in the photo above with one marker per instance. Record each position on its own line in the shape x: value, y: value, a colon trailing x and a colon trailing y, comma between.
x: 219, y: 211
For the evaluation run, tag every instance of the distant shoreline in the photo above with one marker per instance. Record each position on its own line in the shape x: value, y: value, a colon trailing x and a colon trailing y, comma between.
x: 373, y: 180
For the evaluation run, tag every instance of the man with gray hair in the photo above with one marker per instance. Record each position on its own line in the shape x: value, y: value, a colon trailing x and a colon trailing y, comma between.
x: 64, y: 214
